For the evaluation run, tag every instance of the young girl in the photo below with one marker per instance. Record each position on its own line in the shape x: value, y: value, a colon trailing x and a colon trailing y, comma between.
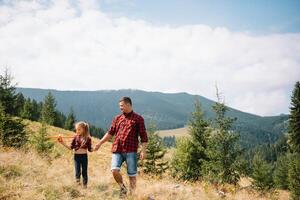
x: 81, y: 143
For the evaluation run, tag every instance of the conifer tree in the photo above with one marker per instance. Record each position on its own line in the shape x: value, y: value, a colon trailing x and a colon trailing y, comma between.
x: 154, y: 163
x: 262, y: 174
x: 70, y: 121
x: 48, y: 113
x: 12, y: 132
x: 223, y: 151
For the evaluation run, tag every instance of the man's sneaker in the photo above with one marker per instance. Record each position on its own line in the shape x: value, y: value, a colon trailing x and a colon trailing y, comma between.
x: 123, y: 192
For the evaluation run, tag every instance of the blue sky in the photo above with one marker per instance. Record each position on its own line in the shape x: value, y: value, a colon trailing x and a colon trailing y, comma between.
x: 250, y: 50
x: 257, y: 16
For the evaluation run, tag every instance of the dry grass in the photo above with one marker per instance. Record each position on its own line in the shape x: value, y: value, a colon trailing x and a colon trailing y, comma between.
x: 26, y: 175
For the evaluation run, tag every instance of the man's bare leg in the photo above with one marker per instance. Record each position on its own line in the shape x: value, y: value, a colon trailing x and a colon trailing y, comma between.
x: 119, y: 179
x: 132, y: 180
x: 117, y: 176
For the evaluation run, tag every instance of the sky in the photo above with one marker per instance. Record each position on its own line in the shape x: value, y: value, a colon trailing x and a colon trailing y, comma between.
x: 249, y: 49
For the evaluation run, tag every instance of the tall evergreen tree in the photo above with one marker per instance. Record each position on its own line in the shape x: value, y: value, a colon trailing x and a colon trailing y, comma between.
x: 154, y: 163
x: 7, y: 93
x: 19, y: 103
x: 280, y: 175
x: 223, y: 151
x: 48, y: 113
x: 198, y: 129
x: 294, y: 120
x: 36, y: 110
x: 12, y: 132
x: 70, y: 121
x: 294, y: 143
x: 60, y: 119
x: 27, y: 111
x: 192, y: 151
x: 42, y: 144
x: 262, y: 174
x: 294, y: 176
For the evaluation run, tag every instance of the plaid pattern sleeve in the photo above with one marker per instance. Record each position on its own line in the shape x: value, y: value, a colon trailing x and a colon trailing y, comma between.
x: 142, y: 130
x: 112, y: 129
x: 126, y: 129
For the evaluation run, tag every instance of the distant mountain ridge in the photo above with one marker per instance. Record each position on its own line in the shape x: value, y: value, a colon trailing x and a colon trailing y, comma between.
x: 167, y: 110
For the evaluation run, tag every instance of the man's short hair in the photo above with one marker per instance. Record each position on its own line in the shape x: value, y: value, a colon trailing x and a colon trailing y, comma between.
x: 126, y: 100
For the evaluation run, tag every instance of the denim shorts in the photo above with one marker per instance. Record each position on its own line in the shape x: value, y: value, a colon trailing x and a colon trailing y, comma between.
x: 130, y: 159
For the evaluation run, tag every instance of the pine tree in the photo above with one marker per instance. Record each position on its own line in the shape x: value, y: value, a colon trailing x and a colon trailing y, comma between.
x: 294, y: 120
x: 262, y: 174
x: 12, y: 132
x: 154, y: 163
x: 199, y: 134
x: 7, y: 93
x: 280, y: 174
x: 70, y: 121
x: 19, y: 103
x: 48, y: 113
x: 180, y: 164
x: 60, y: 119
x: 27, y: 111
x: 223, y: 151
x: 294, y: 176
x: 42, y: 144
x: 195, y: 148
x: 36, y: 110
x: 294, y: 143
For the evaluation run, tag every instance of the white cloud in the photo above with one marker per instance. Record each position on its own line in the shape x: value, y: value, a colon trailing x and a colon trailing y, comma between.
x: 64, y: 46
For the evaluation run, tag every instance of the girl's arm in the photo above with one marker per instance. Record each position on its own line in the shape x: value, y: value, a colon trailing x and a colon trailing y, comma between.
x: 105, y: 138
x: 60, y: 140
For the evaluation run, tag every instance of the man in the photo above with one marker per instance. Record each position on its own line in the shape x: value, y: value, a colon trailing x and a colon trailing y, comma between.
x: 126, y: 128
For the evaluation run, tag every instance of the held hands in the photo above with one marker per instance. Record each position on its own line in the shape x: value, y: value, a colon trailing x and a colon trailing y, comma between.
x: 60, y: 139
x: 97, y: 147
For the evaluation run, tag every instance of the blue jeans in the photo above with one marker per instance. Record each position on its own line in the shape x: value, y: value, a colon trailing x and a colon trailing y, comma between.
x: 130, y: 159
x: 81, y: 165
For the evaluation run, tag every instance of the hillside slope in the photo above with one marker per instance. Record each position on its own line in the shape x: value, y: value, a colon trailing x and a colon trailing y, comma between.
x: 25, y: 175
x: 168, y: 111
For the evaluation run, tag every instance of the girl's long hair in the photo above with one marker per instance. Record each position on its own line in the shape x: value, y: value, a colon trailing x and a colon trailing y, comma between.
x: 85, y: 127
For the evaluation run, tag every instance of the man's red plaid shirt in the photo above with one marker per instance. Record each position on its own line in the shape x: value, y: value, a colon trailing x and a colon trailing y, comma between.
x: 127, y: 128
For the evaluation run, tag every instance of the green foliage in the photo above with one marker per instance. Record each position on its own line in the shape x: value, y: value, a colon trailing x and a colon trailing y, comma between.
x: 294, y: 176
x: 223, y: 150
x: 27, y: 111
x: 7, y: 93
x: 100, y: 107
x: 48, y: 114
x: 12, y: 133
x: 280, y: 175
x: 169, y: 141
x: 70, y: 121
x: 19, y: 102
x: 193, y: 151
x: 181, y: 165
x: 262, y: 174
x: 41, y: 143
x: 154, y: 163
x: 294, y: 120
x: 96, y: 131
x: 60, y: 119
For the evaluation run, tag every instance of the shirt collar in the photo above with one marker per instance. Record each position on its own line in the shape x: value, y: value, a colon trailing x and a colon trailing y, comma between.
x: 128, y: 114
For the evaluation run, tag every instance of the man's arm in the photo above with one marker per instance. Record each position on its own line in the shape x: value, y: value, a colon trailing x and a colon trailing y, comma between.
x: 105, y: 138
x: 144, y: 138
x: 143, y: 152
